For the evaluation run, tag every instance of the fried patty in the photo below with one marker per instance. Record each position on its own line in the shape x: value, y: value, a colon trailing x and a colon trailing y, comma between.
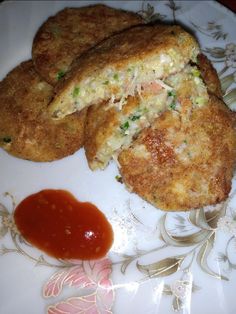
x: 108, y: 130
x: 120, y: 65
x: 26, y: 130
x: 71, y: 32
x: 185, y: 159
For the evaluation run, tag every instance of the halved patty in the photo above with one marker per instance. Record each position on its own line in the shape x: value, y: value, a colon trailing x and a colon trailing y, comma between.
x: 71, y: 32
x: 26, y: 130
x: 109, y: 130
x: 120, y: 65
x: 185, y: 159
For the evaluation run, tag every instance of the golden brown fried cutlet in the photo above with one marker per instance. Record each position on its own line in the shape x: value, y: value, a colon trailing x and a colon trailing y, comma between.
x: 184, y: 160
x: 118, y: 66
x: 72, y: 31
x: 26, y: 130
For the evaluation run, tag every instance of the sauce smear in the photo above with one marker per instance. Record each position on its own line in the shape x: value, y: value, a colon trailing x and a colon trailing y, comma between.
x: 55, y: 222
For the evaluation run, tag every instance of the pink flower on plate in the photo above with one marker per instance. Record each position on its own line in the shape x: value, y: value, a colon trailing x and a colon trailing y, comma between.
x: 84, y: 274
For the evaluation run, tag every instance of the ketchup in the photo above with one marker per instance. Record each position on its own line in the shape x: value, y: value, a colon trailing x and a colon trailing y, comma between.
x: 58, y: 224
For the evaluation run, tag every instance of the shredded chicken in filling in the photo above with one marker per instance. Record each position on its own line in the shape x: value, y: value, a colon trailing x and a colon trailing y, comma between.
x: 117, y: 85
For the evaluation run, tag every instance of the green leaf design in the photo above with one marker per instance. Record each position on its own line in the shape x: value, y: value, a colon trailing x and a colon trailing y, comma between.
x: 216, y: 52
x: 177, y: 304
x: 3, y: 211
x: 183, y: 241
x: 5, y: 250
x: 230, y: 97
x: 149, y: 14
x: 162, y: 268
x: 3, y: 231
x: 212, y: 217
x: 198, y: 218
x: 167, y: 290
x: 150, y: 9
x: 126, y: 263
x: 172, y: 5
x: 195, y: 287
x: 41, y: 261
x: 202, y: 257
x: 226, y: 82
x: 219, y: 35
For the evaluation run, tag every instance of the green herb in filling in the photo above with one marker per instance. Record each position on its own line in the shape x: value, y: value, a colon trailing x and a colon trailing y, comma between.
x: 135, y: 117
x: 124, y: 126
x: 115, y: 77
x: 172, y: 94
x: 200, y: 101
x: 76, y: 92
x: 196, y: 73
x: 105, y: 83
x: 119, y: 179
x: 7, y: 139
x: 60, y: 74
x: 172, y: 106
x: 145, y: 110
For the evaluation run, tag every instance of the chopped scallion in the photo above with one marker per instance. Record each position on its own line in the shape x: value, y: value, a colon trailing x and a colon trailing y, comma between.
x: 172, y: 105
x: 135, y: 117
x: 124, y: 126
x: 7, y: 139
x: 200, y: 101
x: 119, y: 179
x: 171, y: 93
x: 76, y: 92
x: 115, y: 77
x: 60, y: 75
x: 196, y: 73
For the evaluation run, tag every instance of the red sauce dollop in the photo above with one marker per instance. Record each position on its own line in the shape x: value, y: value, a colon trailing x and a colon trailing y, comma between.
x: 55, y: 222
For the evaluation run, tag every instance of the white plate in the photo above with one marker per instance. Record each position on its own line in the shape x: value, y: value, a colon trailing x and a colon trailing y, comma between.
x: 185, y: 278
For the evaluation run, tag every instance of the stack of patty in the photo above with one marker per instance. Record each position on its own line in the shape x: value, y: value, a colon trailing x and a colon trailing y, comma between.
x: 143, y: 95
x: 26, y: 129
x: 155, y: 107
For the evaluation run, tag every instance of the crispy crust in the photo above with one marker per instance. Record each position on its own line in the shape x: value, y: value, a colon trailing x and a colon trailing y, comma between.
x: 209, y: 75
x: 100, y: 126
x: 121, y: 51
x: 183, y: 161
x: 26, y: 131
x: 71, y: 32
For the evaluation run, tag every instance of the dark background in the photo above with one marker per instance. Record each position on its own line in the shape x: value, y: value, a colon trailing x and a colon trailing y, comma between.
x: 231, y: 4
